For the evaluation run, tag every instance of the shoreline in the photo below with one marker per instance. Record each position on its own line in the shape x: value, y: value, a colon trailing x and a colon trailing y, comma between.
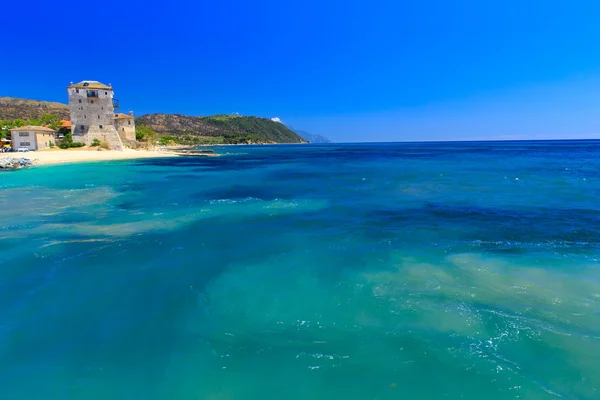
x: 57, y: 157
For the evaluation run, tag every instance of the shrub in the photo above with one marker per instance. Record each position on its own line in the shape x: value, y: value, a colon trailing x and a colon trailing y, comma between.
x: 168, y: 140
x: 104, y: 145
x: 143, y: 133
x: 67, y: 141
x: 95, y: 142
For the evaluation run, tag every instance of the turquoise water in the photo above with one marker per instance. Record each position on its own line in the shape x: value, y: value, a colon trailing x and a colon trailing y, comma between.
x: 405, y: 271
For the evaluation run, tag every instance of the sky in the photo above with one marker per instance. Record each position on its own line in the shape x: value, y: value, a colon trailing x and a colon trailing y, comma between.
x: 350, y: 70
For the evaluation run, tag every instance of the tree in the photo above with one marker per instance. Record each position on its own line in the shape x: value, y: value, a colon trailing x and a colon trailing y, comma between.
x: 167, y: 140
x: 67, y: 141
x: 7, y: 125
x: 50, y: 120
x: 145, y: 134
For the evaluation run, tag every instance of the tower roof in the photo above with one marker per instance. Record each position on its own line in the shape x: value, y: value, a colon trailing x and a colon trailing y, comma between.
x: 89, y: 85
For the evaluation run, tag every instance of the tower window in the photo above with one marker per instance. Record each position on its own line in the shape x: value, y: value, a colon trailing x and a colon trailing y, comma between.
x: 92, y: 101
x: 100, y: 126
x: 80, y: 100
x: 128, y: 122
x: 84, y: 116
x: 82, y: 127
x: 98, y: 117
x: 106, y: 93
x: 77, y: 91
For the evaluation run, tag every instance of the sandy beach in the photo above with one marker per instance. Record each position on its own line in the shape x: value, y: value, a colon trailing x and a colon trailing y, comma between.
x: 48, y: 157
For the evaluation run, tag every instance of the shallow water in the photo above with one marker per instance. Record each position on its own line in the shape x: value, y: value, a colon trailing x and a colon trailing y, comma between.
x: 419, y: 271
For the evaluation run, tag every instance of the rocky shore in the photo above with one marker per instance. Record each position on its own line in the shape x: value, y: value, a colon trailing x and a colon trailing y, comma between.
x: 14, y: 163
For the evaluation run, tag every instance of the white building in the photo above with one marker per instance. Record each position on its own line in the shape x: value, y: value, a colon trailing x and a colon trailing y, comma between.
x: 32, y: 137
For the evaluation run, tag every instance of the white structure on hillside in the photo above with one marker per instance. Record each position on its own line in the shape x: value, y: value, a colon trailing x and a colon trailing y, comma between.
x: 32, y: 137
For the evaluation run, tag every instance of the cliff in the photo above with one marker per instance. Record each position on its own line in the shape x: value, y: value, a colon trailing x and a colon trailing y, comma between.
x: 14, y: 108
x: 220, y: 128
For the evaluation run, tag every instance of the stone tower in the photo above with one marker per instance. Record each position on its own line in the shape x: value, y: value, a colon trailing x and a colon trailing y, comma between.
x: 92, y: 107
x: 125, y: 125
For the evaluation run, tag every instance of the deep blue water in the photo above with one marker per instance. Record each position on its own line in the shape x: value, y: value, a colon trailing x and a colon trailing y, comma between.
x: 387, y: 271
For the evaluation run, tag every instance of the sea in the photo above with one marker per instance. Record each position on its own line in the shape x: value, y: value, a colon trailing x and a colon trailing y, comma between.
x: 466, y: 270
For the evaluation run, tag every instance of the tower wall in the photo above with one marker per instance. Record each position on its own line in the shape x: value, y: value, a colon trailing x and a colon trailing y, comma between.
x: 93, y: 117
x: 126, y: 128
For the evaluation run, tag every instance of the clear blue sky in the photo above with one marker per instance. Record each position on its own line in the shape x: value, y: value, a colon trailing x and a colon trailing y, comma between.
x: 353, y: 71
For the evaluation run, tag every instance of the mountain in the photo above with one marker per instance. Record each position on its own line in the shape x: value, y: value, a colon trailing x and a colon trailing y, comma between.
x: 310, y: 137
x: 14, y: 108
x: 220, y: 128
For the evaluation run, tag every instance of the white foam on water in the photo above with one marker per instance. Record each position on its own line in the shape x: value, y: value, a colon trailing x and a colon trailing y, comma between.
x: 549, y: 306
x: 32, y: 202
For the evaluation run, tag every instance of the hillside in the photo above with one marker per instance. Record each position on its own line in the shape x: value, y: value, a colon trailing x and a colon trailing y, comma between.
x: 220, y: 128
x: 14, y: 108
x: 192, y: 130
x: 310, y: 137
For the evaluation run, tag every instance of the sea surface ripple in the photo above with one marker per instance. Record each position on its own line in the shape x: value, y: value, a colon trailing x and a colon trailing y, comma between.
x: 364, y: 271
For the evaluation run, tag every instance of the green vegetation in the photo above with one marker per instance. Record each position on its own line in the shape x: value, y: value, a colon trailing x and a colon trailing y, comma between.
x: 218, y: 129
x: 49, y: 120
x: 67, y: 142
x: 242, y: 139
x: 167, y: 140
x: 201, y: 140
x: 95, y: 142
x: 145, y: 134
x: 222, y: 117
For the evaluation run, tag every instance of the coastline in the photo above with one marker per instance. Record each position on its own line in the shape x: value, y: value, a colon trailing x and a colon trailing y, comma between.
x: 55, y: 157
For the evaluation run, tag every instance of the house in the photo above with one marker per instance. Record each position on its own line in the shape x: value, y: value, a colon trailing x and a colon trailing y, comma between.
x: 32, y: 137
x: 64, y: 128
